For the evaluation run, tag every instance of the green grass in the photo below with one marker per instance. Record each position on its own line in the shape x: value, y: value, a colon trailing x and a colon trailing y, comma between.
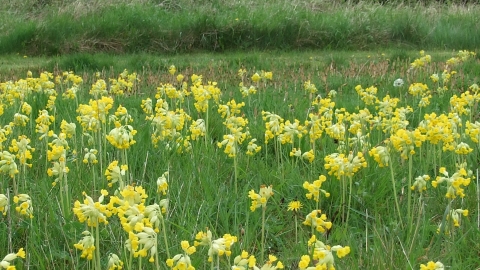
x: 201, y: 187
x: 64, y: 27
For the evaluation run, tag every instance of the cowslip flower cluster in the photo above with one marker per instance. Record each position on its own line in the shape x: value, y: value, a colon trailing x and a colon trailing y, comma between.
x: 122, y: 137
x: 204, y: 93
x: 6, y: 262
x: 24, y: 205
x: 93, y: 212
x: 315, y: 188
x: 368, y: 96
x: 22, y: 149
x: 340, y: 165
x: 247, y: 91
x: 455, y: 183
x: 318, y: 221
x: 44, y: 120
x: 291, y: 131
x: 114, y: 262
x: 381, y: 155
x: 405, y: 141
x: 115, y: 173
x: 125, y: 83
x: 3, y: 204
x: 95, y: 113
x: 217, y: 247
x: 422, y: 61
x: 182, y: 261
x: 260, y: 199
x: 420, y: 183
x: 236, y: 126
x: 431, y: 265
x: 322, y: 255
x: 244, y: 261
x: 273, y: 125
x: 7, y: 164
x: 86, y: 245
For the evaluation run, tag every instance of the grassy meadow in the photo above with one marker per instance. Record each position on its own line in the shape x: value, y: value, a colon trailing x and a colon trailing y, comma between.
x: 150, y: 134
x: 172, y: 156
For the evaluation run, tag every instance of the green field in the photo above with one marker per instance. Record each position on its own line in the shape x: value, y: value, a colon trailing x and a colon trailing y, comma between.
x: 275, y: 153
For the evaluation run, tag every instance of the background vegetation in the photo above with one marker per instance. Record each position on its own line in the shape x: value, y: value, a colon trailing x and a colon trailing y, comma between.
x: 52, y: 27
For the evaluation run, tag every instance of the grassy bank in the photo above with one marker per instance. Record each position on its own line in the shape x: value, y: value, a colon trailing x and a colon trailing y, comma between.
x: 62, y: 27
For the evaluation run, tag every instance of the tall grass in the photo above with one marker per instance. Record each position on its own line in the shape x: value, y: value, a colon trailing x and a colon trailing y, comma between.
x: 59, y: 27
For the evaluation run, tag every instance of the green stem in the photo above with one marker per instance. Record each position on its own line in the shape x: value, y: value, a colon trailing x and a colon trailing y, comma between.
x: 67, y: 197
x: 296, y: 229
x: 395, y: 195
x: 140, y: 262
x: 344, y: 195
x: 165, y: 237
x: 263, y: 236
x: 157, y: 266
x: 97, y: 247
x: 349, y: 198
x: 409, y: 192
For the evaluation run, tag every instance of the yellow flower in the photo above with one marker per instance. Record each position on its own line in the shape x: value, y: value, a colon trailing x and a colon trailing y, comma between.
x: 6, y: 262
x: 24, y: 205
x: 3, y: 204
x: 114, y: 262
x: 260, y: 199
x: 314, y: 189
x: 256, y: 77
x: 294, y: 206
x: 91, y: 211
x: 432, y: 266
x: 122, y: 137
x: 319, y: 222
x: 172, y: 69
x: 86, y: 245
x: 162, y: 183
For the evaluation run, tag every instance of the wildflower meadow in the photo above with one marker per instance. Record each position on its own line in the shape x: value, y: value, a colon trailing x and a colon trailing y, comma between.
x: 242, y: 167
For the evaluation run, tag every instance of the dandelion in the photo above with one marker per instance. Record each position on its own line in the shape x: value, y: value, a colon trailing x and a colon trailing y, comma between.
x: 294, y: 206
x: 398, y: 82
